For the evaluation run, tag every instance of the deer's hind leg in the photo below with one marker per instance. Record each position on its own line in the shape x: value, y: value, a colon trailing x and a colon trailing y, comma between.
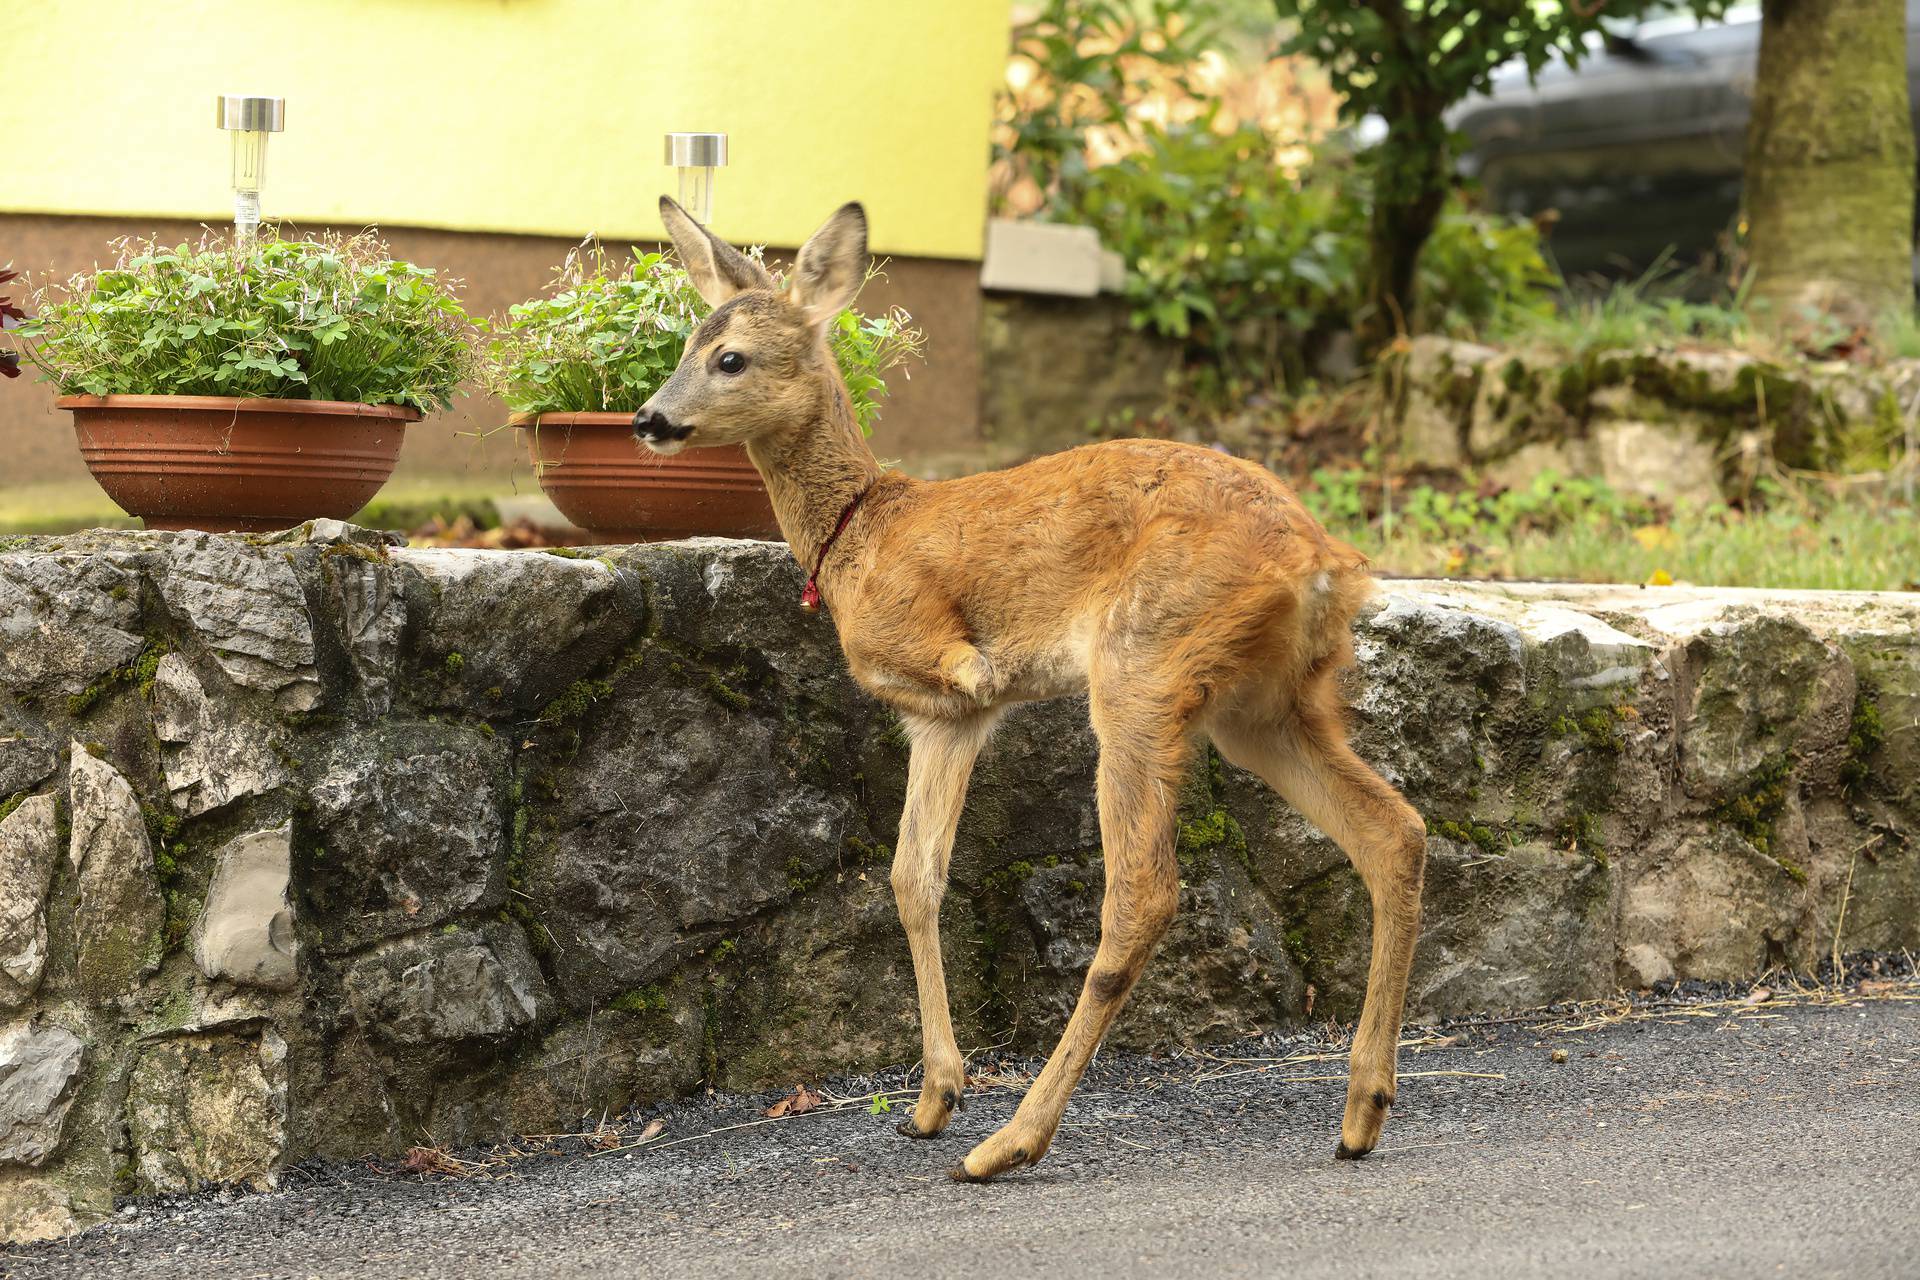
x: 939, y: 764
x: 1145, y: 743
x: 1305, y: 757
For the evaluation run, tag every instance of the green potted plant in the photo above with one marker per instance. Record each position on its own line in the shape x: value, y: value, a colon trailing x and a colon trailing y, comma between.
x: 248, y: 386
x: 575, y: 364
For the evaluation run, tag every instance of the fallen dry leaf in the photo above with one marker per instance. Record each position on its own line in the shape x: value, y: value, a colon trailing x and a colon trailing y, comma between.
x: 429, y: 1160
x: 802, y: 1101
x: 1759, y: 995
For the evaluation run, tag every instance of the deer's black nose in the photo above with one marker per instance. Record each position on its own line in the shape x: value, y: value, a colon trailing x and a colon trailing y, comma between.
x: 653, y: 427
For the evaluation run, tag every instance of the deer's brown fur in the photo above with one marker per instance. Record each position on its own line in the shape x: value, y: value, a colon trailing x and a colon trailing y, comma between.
x: 1186, y: 592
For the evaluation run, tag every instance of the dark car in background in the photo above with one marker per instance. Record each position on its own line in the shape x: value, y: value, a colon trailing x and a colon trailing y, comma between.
x: 1639, y: 150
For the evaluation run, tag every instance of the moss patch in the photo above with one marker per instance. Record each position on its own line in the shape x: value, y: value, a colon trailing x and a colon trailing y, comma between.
x: 643, y: 1001
x: 1571, y: 389
x: 179, y: 889
x: 1009, y: 878
x: 868, y: 853
x: 1582, y: 835
x: 1211, y: 832
x: 574, y: 703
x: 578, y: 698
x: 726, y: 695
x: 139, y: 673
x: 1754, y: 811
x: 518, y: 907
x: 1204, y: 826
x: 1864, y: 737
x: 1597, y: 727
x: 1486, y: 839
x: 372, y: 554
x: 799, y: 879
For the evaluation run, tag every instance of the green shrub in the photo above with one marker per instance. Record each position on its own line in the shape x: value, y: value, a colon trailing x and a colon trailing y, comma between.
x: 1479, y: 270
x: 1215, y: 238
x: 1243, y: 264
x: 610, y: 333
x: 1095, y: 63
x: 334, y: 318
x: 1246, y: 266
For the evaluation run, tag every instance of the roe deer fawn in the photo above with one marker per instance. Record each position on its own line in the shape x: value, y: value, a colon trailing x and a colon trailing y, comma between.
x: 1184, y: 591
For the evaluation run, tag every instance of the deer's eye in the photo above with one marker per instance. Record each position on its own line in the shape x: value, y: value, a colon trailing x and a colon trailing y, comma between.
x: 732, y: 362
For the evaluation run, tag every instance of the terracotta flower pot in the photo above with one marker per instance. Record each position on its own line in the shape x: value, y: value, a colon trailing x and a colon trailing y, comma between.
x: 607, y: 482
x: 229, y: 465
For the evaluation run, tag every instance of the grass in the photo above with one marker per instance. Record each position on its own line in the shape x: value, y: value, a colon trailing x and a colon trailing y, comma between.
x: 59, y: 507
x: 64, y: 506
x: 1669, y: 307
x: 409, y: 504
x: 1682, y: 308
x: 1795, y: 539
x: 1655, y: 309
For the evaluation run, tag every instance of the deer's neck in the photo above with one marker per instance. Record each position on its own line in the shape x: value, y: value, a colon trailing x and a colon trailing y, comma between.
x: 812, y: 470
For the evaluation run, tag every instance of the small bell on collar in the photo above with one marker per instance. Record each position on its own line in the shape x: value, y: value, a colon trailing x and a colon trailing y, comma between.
x: 810, y: 596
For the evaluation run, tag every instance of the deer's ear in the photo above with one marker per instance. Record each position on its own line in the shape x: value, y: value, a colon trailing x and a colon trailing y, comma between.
x: 831, y: 266
x: 717, y: 269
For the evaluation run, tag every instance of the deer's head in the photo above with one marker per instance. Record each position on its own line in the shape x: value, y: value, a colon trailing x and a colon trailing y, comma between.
x: 759, y: 362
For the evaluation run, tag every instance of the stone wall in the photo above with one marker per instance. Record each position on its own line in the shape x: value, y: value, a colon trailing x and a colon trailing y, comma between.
x: 311, y: 845
x: 1699, y: 424
x: 1058, y: 372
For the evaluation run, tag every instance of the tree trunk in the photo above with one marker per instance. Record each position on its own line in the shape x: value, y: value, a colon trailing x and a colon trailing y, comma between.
x: 1830, y: 160
x: 1410, y: 174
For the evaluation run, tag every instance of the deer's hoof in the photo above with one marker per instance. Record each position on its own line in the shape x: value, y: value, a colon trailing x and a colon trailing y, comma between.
x: 960, y: 1172
x: 1011, y: 1148
x: 935, y: 1109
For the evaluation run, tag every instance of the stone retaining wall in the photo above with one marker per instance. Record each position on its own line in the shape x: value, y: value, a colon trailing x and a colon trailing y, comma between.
x: 1062, y: 371
x: 1697, y: 424
x: 315, y: 846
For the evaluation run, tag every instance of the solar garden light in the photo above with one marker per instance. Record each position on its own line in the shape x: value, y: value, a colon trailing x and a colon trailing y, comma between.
x: 249, y: 120
x: 696, y: 156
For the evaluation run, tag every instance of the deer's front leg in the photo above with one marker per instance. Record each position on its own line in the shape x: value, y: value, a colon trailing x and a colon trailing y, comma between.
x: 1143, y: 754
x: 940, y: 763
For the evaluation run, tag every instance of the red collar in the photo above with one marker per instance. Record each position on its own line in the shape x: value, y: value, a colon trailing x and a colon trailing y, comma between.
x: 810, y: 594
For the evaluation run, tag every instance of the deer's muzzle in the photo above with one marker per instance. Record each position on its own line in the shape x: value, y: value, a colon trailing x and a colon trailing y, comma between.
x: 653, y: 427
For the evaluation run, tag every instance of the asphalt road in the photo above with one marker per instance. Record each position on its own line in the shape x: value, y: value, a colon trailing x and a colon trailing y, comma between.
x: 1716, y: 1140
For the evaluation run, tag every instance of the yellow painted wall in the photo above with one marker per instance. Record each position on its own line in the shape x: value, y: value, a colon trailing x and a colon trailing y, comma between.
x: 532, y: 116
